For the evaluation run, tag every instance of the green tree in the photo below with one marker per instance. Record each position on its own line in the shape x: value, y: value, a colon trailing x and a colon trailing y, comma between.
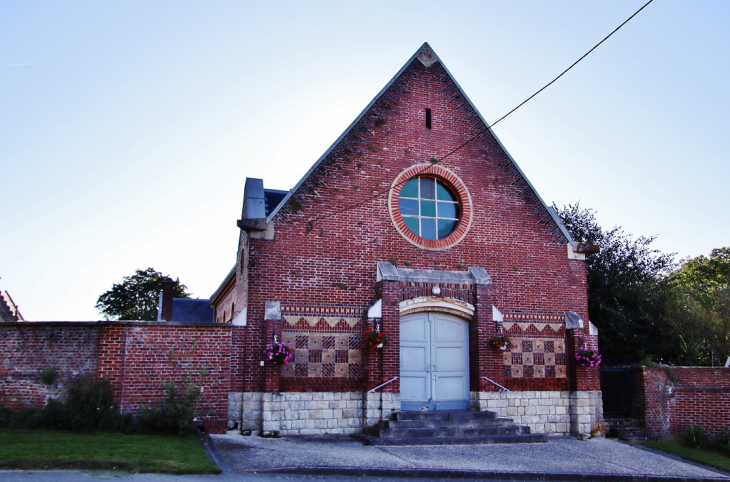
x: 626, y: 297
x: 700, y: 308
x: 137, y: 297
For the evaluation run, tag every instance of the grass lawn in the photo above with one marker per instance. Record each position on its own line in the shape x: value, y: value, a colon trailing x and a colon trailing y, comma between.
x: 46, y: 449
x: 712, y: 459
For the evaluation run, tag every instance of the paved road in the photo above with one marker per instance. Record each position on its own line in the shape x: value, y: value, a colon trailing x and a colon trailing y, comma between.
x: 342, y: 459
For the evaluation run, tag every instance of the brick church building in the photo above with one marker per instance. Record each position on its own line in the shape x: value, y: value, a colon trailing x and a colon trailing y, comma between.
x: 440, y: 255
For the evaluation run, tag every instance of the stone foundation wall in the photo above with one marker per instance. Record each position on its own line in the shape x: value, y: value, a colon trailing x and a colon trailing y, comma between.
x: 298, y: 413
x: 248, y: 404
x: 586, y: 412
x: 552, y: 412
x: 322, y: 413
x: 379, y: 406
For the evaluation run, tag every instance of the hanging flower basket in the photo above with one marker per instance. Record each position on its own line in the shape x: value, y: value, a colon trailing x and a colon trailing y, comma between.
x: 502, y: 342
x: 373, y: 341
x: 279, y: 354
x: 587, y: 358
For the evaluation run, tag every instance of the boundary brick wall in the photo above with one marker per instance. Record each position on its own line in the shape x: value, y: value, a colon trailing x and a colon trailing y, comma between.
x: 26, y: 349
x: 678, y: 397
x: 137, y: 357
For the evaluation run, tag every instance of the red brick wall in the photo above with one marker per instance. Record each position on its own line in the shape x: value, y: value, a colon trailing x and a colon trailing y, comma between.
x: 27, y: 348
x: 156, y: 354
x: 676, y: 398
x: 138, y: 358
x: 511, y: 236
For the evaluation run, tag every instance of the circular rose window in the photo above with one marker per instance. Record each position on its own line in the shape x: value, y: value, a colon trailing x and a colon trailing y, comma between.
x: 430, y: 206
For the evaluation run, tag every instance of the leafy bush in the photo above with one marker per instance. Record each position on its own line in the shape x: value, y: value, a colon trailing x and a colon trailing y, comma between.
x: 695, y: 437
x: 54, y: 415
x: 721, y: 443
x: 90, y: 405
x: 25, y: 418
x: 176, y: 413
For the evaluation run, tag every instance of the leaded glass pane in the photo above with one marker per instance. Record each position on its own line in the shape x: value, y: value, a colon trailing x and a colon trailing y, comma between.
x: 428, y: 208
x: 428, y: 188
x: 410, y: 189
x: 444, y: 194
x: 447, y: 210
x: 446, y: 227
x: 412, y: 224
x: 408, y: 207
x: 428, y: 228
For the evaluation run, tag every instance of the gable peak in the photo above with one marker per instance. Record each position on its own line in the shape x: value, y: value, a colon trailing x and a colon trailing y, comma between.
x: 426, y: 55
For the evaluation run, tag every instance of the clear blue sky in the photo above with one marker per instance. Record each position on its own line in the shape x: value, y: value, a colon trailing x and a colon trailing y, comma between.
x: 127, y: 128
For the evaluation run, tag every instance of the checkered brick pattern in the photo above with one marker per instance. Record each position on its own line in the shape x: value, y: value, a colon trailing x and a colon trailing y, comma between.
x: 325, y: 355
x: 327, y: 339
x: 535, y: 358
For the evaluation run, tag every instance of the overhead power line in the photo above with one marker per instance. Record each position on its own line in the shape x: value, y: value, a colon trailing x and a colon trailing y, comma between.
x: 478, y: 134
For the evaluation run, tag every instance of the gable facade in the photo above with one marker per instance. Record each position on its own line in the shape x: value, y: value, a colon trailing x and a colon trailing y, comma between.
x: 441, y: 255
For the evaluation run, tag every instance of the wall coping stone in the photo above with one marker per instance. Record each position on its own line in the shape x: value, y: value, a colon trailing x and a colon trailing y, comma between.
x: 113, y: 323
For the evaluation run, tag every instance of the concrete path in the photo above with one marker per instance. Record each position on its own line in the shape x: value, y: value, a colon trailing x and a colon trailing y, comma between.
x: 559, y: 459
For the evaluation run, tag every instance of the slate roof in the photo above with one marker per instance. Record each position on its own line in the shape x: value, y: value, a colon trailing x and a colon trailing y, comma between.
x: 186, y: 310
x: 272, y: 199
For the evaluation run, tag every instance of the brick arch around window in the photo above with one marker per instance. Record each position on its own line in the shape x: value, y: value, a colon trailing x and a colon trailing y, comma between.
x: 466, y: 212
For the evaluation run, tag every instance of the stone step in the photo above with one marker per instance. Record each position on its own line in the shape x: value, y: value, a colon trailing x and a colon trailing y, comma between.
x: 443, y: 415
x: 445, y: 432
x: 483, y: 440
x: 466, y: 423
x: 631, y: 433
x: 615, y: 422
x: 625, y: 428
x: 431, y: 427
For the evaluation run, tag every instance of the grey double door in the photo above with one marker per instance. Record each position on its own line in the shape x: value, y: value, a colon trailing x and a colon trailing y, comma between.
x: 434, y: 362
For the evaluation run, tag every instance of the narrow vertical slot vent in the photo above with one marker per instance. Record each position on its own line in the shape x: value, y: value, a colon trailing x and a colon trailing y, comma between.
x: 428, y: 118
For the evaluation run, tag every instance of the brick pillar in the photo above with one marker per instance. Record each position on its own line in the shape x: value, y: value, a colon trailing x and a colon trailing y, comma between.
x: 242, y: 360
x: 391, y: 326
x: 272, y: 320
x: 271, y: 399
x: 586, y: 405
x: 373, y: 360
x: 484, y: 360
x: 384, y: 365
x: 581, y: 378
x: 272, y: 381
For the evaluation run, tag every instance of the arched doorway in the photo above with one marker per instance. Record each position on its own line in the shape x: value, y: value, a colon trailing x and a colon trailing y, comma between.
x: 434, y: 362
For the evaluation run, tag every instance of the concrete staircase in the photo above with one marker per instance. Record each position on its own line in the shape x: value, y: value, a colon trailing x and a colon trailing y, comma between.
x: 448, y: 428
x: 625, y: 428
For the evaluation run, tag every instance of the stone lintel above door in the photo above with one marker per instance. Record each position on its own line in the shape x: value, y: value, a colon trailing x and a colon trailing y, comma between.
x: 474, y: 276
